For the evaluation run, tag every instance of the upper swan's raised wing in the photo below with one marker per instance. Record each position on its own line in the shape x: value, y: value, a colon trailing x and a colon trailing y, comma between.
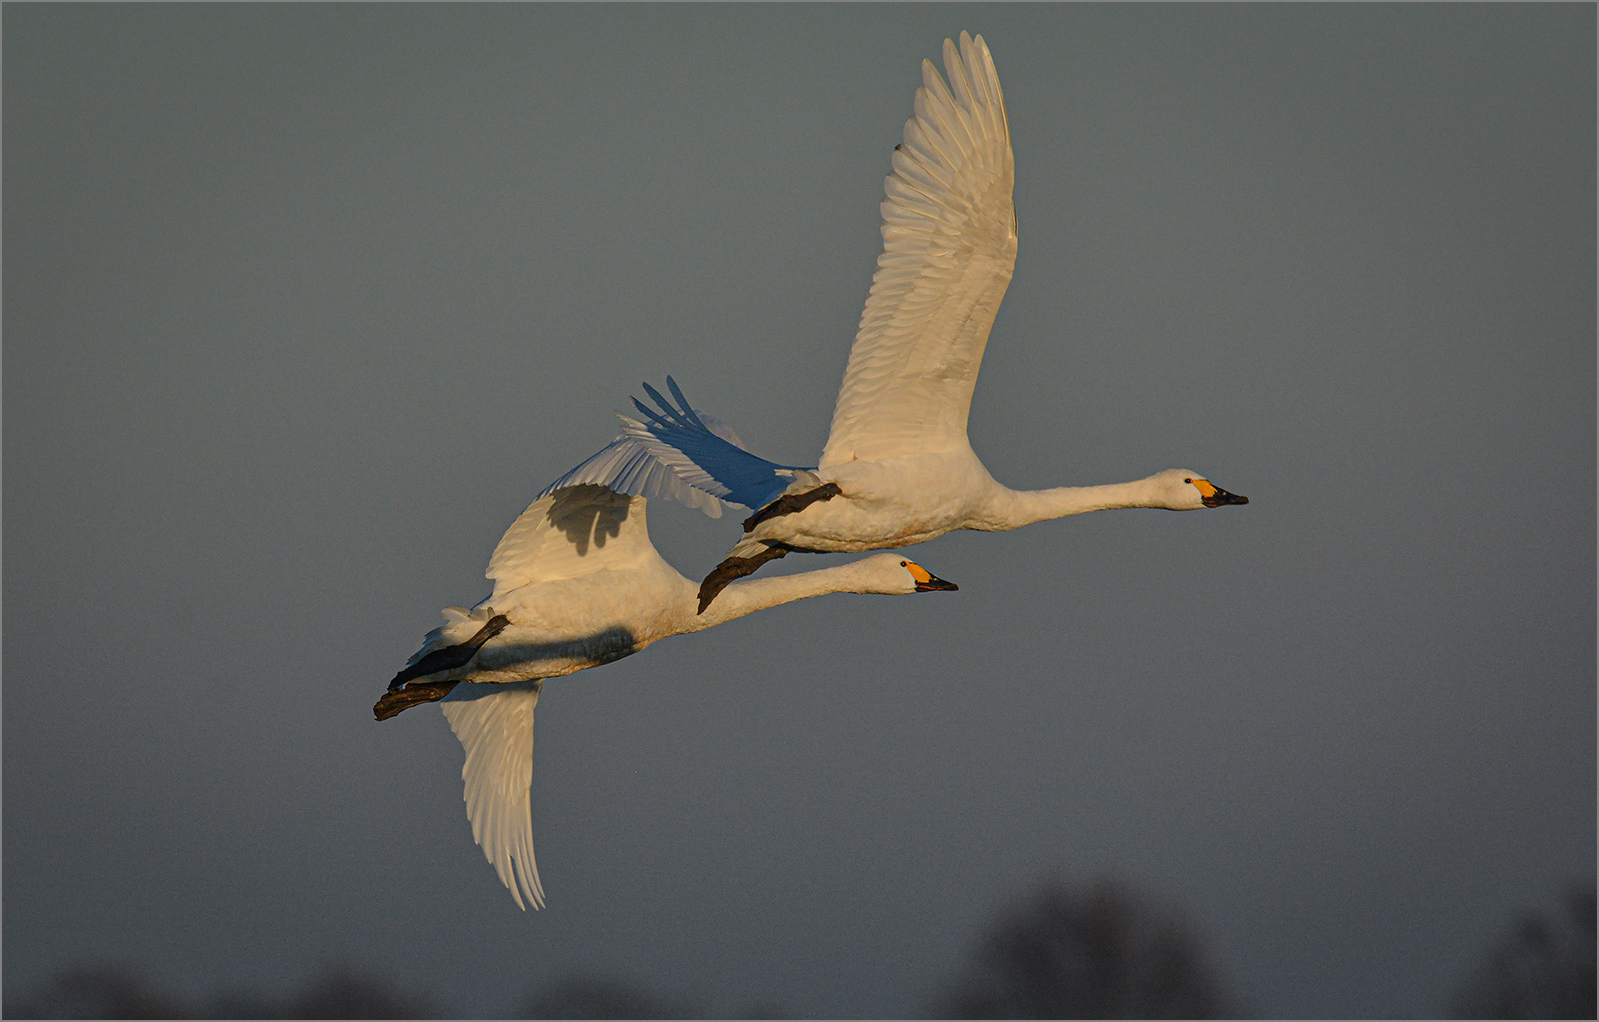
x: 495, y: 726
x: 949, y: 247
x: 575, y: 531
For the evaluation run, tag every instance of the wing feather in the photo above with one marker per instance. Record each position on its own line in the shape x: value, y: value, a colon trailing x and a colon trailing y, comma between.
x: 703, y: 453
x: 495, y: 726
x: 628, y: 466
x: 572, y: 532
x: 949, y: 248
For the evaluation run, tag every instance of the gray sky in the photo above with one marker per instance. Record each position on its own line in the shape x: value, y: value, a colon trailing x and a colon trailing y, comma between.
x: 304, y: 304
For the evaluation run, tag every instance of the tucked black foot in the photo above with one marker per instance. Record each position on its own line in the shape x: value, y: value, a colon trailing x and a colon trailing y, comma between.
x: 451, y: 657
x: 790, y: 503
x: 735, y: 568
x: 411, y: 695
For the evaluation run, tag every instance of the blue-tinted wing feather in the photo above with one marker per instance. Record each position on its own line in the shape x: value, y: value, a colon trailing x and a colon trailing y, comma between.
x: 702, y: 452
x: 627, y: 466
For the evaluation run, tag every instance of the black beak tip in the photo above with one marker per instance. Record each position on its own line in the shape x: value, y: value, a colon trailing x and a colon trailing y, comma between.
x: 936, y: 585
x: 1221, y: 497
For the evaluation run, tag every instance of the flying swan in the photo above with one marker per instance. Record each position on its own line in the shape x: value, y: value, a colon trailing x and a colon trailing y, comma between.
x: 577, y: 584
x: 898, y: 468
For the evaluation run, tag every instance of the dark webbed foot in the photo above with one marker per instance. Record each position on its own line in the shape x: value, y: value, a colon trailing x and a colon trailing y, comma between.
x: 450, y: 657
x: 790, y: 503
x: 735, y: 568
x: 411, y: 695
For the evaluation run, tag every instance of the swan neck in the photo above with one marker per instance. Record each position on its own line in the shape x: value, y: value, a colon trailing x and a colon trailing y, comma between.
x: 1011, y: 509
x: 746, y: 596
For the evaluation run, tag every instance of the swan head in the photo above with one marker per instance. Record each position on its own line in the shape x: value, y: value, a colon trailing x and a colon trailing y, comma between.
x: 894, y: 575
x: 1182, y: 489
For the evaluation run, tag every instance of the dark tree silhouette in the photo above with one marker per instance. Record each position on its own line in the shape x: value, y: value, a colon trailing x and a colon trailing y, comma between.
x: 1541, y: 968
x: 111, y: 992
x: 599, y: 998
x: 97, y: 991
x: 343, y: 993
x: 1087, y: 953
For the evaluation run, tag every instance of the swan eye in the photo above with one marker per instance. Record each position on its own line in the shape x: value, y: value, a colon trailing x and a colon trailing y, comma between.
x: 903, y: 564
x: 1187, y: 480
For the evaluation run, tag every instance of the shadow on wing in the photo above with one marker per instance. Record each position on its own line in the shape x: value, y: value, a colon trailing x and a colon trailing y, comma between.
x: 586, y: 511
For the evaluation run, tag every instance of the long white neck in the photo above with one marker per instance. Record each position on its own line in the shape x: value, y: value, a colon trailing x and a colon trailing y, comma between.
x: 746, y: 596
x: 1011, y: 509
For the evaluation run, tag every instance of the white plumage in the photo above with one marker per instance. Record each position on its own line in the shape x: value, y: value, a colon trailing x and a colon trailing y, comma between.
x: 898, y: 468
x: 577, y: 584
x: 495, y: 726
x: 949, y: 248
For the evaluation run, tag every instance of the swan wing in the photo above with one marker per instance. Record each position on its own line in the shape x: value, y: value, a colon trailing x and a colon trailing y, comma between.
x: 949, y: 248
x: 575, y: 531
x: 629, y: 465
x: 495, y: 727
x: 703, y: 452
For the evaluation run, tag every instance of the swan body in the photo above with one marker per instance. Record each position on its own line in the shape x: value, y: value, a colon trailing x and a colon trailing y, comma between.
x: 577, y: 584
x: 898, y: 468
x: 952, y: 491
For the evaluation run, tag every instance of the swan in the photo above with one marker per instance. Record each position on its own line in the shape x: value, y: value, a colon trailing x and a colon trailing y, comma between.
x: 898, y: 468
x: 577, y: 584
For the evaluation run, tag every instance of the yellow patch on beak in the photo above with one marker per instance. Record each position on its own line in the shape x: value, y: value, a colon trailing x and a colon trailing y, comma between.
x: 918, y: 572
x: 1204, y: 487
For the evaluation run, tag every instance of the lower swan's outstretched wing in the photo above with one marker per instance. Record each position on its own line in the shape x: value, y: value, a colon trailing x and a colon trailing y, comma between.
x: 495, y: 726
x: 630, y: 466
x: 705, y: 453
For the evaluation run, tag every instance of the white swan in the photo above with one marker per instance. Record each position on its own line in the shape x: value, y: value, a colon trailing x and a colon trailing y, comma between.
x: 898, y: 468
x: 577, y: 584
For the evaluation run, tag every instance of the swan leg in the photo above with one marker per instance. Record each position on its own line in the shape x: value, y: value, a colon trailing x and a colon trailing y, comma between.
x: 451, y: 657
x: 789, y: 503
x: 411, y: 695
x: 735, y: 568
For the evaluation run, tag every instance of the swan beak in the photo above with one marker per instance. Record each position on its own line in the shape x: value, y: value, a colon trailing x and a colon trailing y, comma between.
x: 1212, y: 495
x: 926, y: 581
